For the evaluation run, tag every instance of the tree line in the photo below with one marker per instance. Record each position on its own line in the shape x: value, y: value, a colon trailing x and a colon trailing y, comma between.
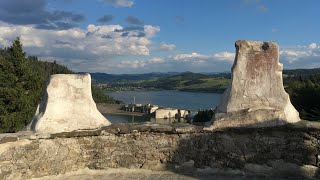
x: 304, y: 91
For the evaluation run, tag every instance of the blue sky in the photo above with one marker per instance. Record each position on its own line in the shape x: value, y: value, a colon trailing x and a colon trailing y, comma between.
x: 140, y: 36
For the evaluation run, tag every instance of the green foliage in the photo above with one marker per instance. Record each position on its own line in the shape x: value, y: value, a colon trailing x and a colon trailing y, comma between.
x: 22, y: 84
x: 99, y: 96
x: 194, y: 81
x: 203, y: 116
x: 103, y: 78
x: 304, y: 92
x: 20, y: 89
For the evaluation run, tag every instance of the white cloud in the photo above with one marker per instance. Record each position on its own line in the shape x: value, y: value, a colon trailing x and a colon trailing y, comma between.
x: 227, y: 56
x: 130, y: 64
x: 300, y: 52
x: 156, y: 60
x: 96, y: 48
x: 151, y: 30
x: 312, y: 46
x: 194, y: 62
x: 120, y: 3
x: 93, y: 41
x: 167, y: 47
x: 306, y: 56
x: 185, y: 57
x: 293, y: 55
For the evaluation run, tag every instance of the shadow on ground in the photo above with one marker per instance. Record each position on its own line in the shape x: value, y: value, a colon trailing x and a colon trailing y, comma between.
x: 289, y: 151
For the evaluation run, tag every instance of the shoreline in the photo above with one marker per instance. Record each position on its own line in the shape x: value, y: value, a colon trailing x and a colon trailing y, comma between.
x: 189, y: 90
x: 115, y: 109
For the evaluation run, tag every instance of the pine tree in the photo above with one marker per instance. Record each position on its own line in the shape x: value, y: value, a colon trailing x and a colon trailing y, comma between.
x: 20, y: 91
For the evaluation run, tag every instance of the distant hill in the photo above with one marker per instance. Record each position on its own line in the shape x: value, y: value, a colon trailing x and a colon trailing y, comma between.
x: 186, y: 81
x: 102, y: 78
x: 302, y: 72
x: 183, y: 81
x: 189, y: 81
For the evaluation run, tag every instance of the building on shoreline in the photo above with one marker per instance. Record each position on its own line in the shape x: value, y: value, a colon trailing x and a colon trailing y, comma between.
x: 147, y: 109
x: 158, y: 112
x: 165, y: 113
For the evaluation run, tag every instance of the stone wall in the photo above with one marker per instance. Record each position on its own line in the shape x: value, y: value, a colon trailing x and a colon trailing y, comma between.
x: 290, y: 150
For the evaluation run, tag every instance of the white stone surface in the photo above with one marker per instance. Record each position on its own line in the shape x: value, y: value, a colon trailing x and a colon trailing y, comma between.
x: 184, y: 113
x: 67, y: 105
x: 153, y: 109
x: 256, y: 95
x: 166, y: 113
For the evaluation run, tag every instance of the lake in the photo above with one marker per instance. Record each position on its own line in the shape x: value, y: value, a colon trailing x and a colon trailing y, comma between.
x: 174, y: 99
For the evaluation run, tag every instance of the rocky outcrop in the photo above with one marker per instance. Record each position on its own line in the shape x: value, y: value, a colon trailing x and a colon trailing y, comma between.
x: 286, y: 151
x: 67, y: 106
x: 256, y: 96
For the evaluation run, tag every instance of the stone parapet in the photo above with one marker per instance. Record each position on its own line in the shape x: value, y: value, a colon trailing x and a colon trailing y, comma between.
x: 286, y: 151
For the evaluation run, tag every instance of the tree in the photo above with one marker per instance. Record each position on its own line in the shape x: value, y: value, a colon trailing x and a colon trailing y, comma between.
x: 203, y: 116
x: 20, y: 90
x: 305, y: 96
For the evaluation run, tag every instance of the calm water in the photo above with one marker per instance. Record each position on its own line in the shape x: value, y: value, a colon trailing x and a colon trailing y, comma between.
x: 173, y: 99
x: 120, y: 118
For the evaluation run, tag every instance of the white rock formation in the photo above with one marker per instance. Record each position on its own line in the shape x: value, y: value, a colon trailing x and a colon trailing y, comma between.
x: 67, y: 105
x: 256, y: 96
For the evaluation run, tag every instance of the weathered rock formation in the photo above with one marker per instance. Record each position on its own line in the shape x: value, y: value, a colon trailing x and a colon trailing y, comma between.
x: 67, y: 106
x: 256, y: 96
x: 286, y: 151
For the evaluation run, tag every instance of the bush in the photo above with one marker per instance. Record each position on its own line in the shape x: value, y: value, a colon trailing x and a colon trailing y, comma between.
x: 203, y: 116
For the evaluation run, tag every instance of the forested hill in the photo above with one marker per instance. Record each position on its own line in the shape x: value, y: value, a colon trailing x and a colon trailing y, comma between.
x: 46, y: 69
x: 102, y: 78
x: 302, y: 72
x: 22, y: 84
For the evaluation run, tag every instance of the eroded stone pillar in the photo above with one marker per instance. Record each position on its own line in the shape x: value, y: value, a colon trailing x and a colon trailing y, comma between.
x: 67, y: 105
x: 256, y: 96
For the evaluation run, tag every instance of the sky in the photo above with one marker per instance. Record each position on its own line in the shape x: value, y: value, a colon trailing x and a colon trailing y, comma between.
x: 142, y: 36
